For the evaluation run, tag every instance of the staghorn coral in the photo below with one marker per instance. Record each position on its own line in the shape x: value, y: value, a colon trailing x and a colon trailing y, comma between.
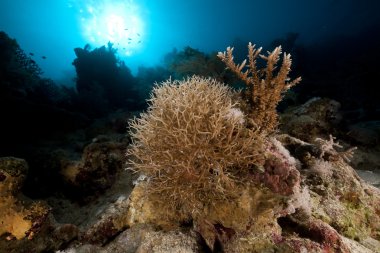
x: 193, y: 143
x: 265, y: 86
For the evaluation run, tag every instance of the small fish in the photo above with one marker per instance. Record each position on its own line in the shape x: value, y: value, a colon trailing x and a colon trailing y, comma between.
x: 31, y: 54
x: 126, y: 29
x: 139, y: 41
x: 129, y: 39
x: 138, y: 34
x: 43, y: 57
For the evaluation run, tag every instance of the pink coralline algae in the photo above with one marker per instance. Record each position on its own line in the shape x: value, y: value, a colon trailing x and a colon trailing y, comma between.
x: 280, y: 175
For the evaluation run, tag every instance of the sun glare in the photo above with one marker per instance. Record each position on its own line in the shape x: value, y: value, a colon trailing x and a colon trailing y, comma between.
x: 116, y: 21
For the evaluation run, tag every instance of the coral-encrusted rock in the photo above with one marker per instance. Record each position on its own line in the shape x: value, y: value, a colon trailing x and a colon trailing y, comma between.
x: 313, y: 236
x: 103, y: 218
x: 255, y: 212
x: 111, y: 221
x: 347, y: 203
x: 26, y: 225
x: 147, y: 239
x: 339, y: 197
x: 12, y: 174
x: 18, y: 219
x: 148, y: 209
x: 97, y: 169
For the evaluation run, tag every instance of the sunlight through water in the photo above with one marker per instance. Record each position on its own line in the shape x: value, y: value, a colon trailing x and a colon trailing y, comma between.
x: 115, y: 21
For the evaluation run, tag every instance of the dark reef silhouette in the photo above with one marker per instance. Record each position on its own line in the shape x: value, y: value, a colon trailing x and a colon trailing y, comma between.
x: 103, y: 83
x: 32, y: 107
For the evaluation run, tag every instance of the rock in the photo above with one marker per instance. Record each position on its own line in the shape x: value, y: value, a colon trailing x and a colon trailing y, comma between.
x: 356, y: 247
x: 146, y: 239
x: 371, y: 177
x: 317, y: 117
x: 365, y: 133
x: 109, y: 222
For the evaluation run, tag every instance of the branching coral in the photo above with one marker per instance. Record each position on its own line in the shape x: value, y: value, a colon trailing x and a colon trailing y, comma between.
x: 327, y: 148
x: 265, y: 86
x: 193, y: 143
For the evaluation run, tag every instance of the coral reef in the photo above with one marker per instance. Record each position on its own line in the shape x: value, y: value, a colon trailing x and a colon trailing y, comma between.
x: 212, y: 177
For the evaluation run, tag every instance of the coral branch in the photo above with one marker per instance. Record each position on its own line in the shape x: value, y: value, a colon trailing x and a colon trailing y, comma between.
x: 265, y: 86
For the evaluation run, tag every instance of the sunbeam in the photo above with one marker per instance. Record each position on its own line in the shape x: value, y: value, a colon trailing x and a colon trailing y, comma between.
x: 117, y: 22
